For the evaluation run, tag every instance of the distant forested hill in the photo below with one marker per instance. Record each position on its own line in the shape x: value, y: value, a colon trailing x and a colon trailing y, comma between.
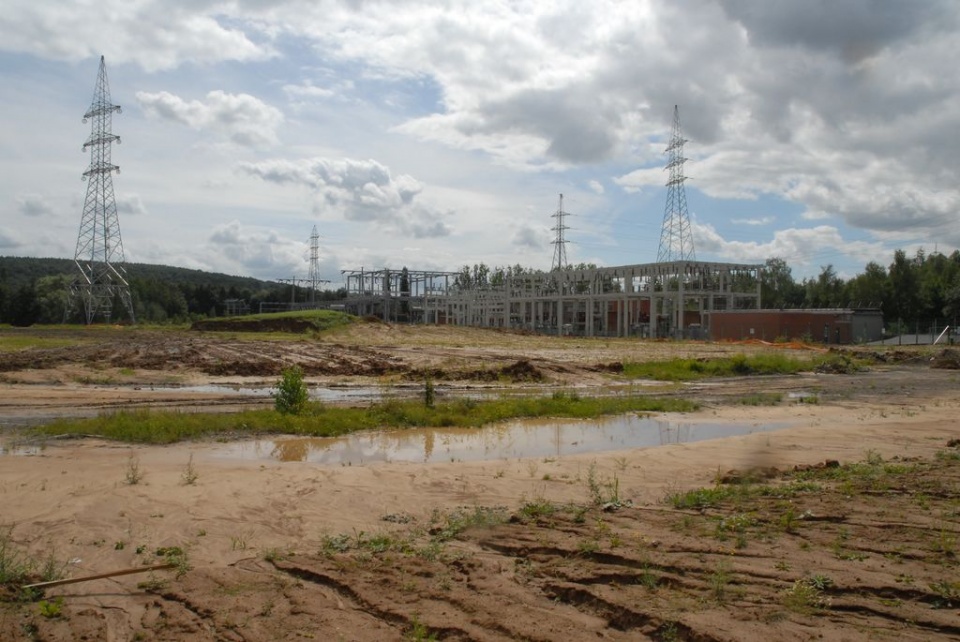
x: 17, y: 270
x: 33, y: 290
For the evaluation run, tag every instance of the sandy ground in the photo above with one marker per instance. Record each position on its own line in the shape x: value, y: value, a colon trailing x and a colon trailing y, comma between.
x: 294, y: 550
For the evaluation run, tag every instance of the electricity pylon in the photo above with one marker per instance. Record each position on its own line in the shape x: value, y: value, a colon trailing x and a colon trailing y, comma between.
x: 676, y: 239
x: 99, y: 255
x: 559, y: 243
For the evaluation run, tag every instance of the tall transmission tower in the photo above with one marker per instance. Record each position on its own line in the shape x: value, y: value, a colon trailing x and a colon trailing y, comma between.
x: 314, y: 276
x: 559, y: 243
x: 99, y: 254
x: 676, y: 239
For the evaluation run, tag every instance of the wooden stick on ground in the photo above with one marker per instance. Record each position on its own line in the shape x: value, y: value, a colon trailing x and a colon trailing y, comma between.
x: 126, y: 571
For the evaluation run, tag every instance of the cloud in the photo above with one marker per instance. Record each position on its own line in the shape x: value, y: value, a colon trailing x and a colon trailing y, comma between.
x: 33, y: 205
x: 358, y: 190
x: 8, y: 240
x: 131, y: 204
x: 256, y: 251
x: 843, y: 110
x: 856, y: 28
x: 241, y: 118
x: 530, y: 238
x: 802, y: 247
x: 154, y: 34
x: 766, y: 220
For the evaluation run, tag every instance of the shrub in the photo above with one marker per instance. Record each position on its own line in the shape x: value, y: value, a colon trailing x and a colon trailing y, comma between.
x: 291, y: 396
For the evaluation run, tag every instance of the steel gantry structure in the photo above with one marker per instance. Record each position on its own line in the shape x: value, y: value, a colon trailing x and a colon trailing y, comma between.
x: 671, y: 299
x: 655, y: 300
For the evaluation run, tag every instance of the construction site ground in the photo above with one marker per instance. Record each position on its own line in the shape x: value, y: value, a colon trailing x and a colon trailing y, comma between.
x: 842, y: 525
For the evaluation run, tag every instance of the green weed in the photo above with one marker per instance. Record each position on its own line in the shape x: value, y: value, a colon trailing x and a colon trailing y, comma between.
x: 806, y: 596
x: 50, y: 608
x: 158, y: 427
x: 291, y: 396
x: 735, y: 365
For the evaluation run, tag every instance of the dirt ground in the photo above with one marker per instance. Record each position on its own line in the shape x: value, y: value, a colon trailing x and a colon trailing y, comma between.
x: 558, y: 548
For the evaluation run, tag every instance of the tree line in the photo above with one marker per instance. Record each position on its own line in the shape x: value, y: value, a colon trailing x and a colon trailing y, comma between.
x: 924, y: 288
x: 36, y: 291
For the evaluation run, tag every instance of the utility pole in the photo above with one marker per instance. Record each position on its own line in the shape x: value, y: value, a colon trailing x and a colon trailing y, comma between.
x: 99, y: 254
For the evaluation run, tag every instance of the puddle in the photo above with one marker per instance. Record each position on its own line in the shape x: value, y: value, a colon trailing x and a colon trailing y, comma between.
x: 512, y: 440
x: 332, y: 395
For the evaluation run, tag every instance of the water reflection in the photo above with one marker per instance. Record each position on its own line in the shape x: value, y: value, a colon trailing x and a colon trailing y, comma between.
x: 518, y: 439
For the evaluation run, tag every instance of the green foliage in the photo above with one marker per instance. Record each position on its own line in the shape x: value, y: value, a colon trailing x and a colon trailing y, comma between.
x: 760, y: 399
x: 449, y: 525
x: 538, y: 507
x: 291, y: 396
x: 736, y: 365
x: 806, y: 596
x: 17, y: 566
x: 161, y: 427
x: 429, y: 394
x: 419, y: 632
x: 50, y: 608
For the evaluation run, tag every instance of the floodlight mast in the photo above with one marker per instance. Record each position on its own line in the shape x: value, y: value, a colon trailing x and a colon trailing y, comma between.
x: 676, y: 238
x: 99, y: 255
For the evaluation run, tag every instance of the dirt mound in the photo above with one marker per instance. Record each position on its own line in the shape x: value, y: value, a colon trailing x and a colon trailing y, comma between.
x: 838, y: 363
x: 522, y: 370
x: 296, y: 326
x: 947, y: 359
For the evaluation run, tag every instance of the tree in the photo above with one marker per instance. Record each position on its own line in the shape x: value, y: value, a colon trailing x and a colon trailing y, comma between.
x: 777, y: 287
x: 291, y: 396
x: 870, y: 288
x: 52, y: 293
x: 826, y: 291
x: 903, y: 300
x: 24, y: 310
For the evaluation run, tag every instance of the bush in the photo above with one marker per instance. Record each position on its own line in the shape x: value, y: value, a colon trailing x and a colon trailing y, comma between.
x: 291, y: 396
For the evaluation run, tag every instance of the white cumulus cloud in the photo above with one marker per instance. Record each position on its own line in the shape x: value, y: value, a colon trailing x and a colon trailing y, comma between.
x: 241, y: 118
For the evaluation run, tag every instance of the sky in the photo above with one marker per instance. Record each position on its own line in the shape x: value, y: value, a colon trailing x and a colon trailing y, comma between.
x: 437, y: 134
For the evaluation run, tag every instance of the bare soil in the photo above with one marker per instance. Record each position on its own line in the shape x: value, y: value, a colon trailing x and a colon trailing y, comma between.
x: 569, y: 548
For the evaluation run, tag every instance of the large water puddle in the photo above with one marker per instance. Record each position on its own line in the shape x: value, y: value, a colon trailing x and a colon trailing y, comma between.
x: 340, y: 394
x: 511, y: 440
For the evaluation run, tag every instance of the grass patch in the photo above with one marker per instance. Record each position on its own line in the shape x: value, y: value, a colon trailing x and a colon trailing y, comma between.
x: 760, y: 399
x: 733, y: 366
x: 153, y: 427
x: 23, y: 340
x: 301, y: 321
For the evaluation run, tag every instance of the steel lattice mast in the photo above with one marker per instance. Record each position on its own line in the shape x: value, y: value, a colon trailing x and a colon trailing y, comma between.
x: 559, y: 243
x: 314, y: 276
x: 676, y: 239
x: 99, y: 255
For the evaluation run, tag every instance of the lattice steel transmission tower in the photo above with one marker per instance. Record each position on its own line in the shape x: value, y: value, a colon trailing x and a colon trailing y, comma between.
x: 99, y: 254
x: 314, y: 276
x: 559, y: 243
x: 676, y: 239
